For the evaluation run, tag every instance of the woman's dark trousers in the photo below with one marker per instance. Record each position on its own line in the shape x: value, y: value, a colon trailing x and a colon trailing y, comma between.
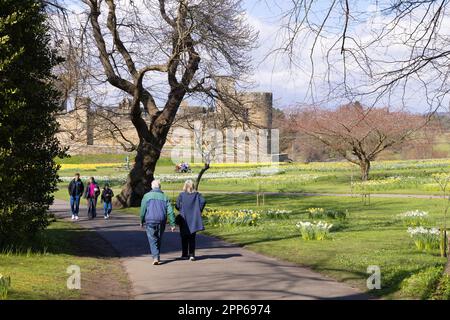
x: 92, y: 208
x: 188, y: 244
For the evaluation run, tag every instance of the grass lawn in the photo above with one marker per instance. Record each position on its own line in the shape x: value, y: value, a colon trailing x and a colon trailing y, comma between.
x: 40, y: 273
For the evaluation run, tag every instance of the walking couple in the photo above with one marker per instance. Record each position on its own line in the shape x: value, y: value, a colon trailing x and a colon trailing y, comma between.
x: 156, y: 209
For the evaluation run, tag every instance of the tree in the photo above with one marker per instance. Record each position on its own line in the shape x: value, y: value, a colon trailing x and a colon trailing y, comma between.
x: 371, y: 49
x: 165, y: 51
x: 357, y: 133
x: 28, y: 101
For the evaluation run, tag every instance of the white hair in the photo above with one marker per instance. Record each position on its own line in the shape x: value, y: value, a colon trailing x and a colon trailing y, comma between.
x: 188, y: 186
x: 156, y: 184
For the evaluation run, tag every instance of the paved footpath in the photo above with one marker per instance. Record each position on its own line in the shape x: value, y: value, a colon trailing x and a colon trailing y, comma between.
x: 222, y: 270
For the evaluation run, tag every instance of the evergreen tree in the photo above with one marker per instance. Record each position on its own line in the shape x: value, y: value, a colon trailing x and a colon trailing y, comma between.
x: 28, y: 102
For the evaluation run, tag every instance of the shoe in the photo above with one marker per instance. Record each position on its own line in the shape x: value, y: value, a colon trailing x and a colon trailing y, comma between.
x: 73, y: 217
x: 76, y: 217
x: 155, y: 262
x: 106, y: 217
x: 192, y: 258
x: 184, y: 257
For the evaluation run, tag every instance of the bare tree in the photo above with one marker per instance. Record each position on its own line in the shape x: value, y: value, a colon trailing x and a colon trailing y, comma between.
x: 372, y: 49
x: 357, y: 133
x: 159, y: 52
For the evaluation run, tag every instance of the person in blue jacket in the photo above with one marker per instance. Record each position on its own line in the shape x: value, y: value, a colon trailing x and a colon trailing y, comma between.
x: 190, y: 203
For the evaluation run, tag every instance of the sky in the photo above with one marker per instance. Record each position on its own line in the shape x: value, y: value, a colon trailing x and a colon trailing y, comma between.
x: 291, y: 83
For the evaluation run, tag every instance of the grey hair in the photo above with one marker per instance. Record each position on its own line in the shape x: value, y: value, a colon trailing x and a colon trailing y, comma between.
x: 156, y: 184
x: 188, y: 186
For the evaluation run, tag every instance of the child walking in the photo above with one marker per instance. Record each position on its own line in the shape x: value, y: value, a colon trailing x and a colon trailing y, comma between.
x: 107, y: 195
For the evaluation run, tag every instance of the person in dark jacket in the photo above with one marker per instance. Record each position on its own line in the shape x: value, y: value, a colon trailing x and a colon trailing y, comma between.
x: 190, y: 204
x: 91, y: 194
x: 76, y: 189
x: 106, y: 198
x: 155, y: 209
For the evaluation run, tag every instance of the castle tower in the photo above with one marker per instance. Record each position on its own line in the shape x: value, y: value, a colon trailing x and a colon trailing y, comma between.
x: 226, y: 89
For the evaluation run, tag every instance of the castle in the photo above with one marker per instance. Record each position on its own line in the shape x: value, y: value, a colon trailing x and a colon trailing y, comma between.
x: 88, y: 129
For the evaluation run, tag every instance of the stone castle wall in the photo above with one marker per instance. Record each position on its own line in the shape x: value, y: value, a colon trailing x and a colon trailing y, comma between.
x: 87, y: 131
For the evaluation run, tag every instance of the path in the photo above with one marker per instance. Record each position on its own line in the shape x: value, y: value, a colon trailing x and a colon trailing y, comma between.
x: 222, y: 271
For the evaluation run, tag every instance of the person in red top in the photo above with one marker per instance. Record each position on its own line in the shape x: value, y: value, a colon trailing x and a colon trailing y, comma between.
x: 91, y: 194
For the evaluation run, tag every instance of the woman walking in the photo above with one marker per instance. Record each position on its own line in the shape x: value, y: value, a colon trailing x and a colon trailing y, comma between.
x: 91, y: 194
x: 190, y: 203
x: 106, y: 198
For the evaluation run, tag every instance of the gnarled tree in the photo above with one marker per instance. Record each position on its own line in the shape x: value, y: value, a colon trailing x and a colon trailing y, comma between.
x: 357, y: 133
x: 160, y: 53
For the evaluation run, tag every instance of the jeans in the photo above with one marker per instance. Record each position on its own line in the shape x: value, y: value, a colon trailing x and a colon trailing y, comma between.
x: 92, y: 209
x: 154, y: 235
x: 188, y: 244
x: 75, y: 205
x: 107, y: 207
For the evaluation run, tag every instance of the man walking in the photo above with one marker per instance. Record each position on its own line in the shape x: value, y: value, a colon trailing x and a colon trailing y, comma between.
x: 155, y: 208
x: 76, y: 189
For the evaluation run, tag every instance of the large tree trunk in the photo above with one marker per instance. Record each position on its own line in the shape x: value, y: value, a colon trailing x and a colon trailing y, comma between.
x: 141, y: 175
x: 365, y: 168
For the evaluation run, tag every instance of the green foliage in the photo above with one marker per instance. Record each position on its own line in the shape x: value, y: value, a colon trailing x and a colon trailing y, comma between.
x: 28, y: 102
x: 422, y: 284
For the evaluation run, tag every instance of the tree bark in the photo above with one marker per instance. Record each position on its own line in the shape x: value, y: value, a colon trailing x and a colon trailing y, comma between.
x: 140, y: 177
x: 365, y: 168
x: 200, y: 174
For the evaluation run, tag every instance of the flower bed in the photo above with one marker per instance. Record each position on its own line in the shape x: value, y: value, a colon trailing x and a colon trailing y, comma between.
x: 216, y: 217
x: 414, y: 218
x: 314, y: 230
x: 277, y: 214
x: 425, y: 239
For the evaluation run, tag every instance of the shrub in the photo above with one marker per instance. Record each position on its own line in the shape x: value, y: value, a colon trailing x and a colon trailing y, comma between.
x: 421, y: 285
x: 314, y: 231
x: 425, y: 239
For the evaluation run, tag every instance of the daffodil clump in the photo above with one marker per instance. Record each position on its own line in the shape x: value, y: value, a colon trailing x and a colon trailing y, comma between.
x: 315, y: 213
x: 314, y: 230
x: 414, y: 218
x: 5, y: 283
x: 425, y: 239
x: 243, y: 217
x: 277, y: 214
